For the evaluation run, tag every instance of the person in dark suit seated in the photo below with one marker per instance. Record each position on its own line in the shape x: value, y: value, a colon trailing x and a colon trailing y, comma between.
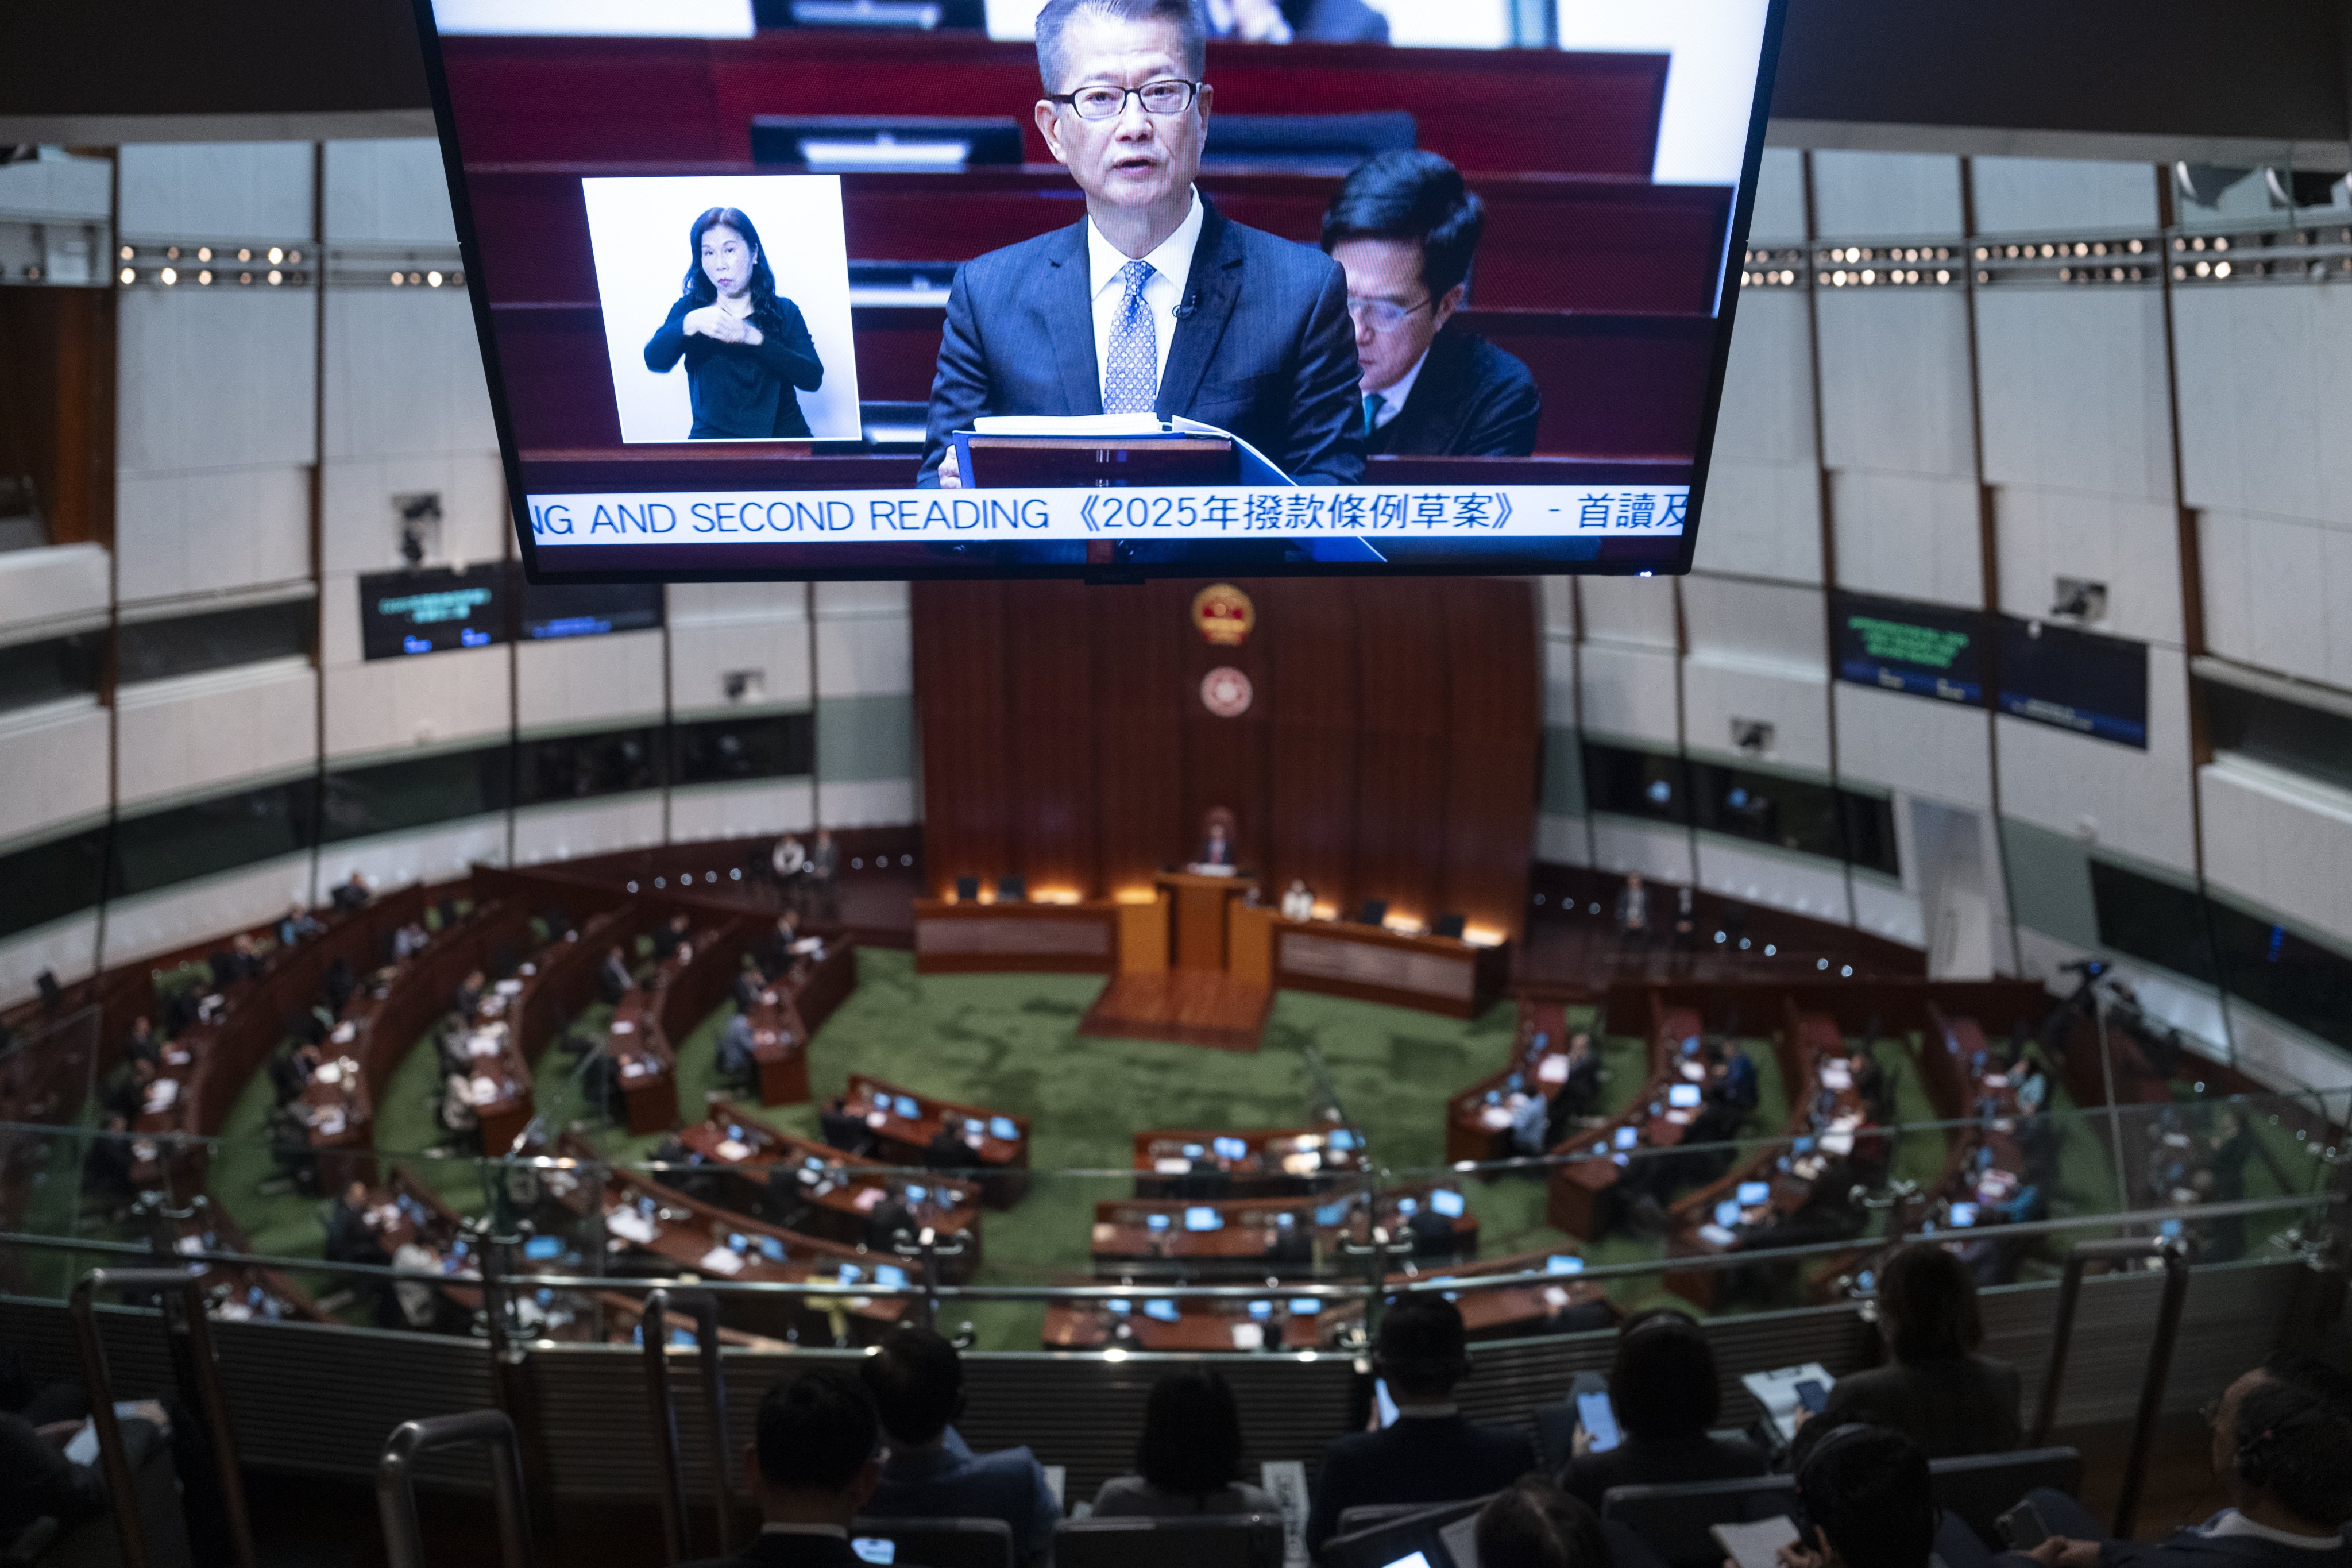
x: 916, y: 1380
x: 1735, y: 1078
x: 1432, y: 1234
x: 1296, y: 21
x: 1216, y: 850
x: 1404, y: 228
x: 746, y: 347
x: 353, y: 894
x: 470, y: 994
x: 613, y: 976
x: 814, y: 1457
x: 1534, y: 1525
x: 776, y: 951
x: 337, y: 984
x: 350, y: 1237
x: 882, y: 1227
x: 1155, y: 302
x: 737, y: 1065
x: 675, y: 938
x: 1934, y: 1387
x: 1431, y: 1454
x: 951, y: 1150
x: 106, y: 1169
x: 843, y: 1130
x: 751, y: 989
x: 1187, y: 1460
x: 142, y: 1043
x: 1662, y: 1387
x: 1868, y: 1503
x: 2283, y: 1445
x: 289, y: 1071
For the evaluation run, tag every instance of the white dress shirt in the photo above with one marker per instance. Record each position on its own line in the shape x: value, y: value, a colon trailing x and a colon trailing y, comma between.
x: 1393, y: 397
x: 1171, y: 268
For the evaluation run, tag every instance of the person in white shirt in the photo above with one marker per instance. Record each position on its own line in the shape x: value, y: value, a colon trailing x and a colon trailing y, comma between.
x: 1298, y: 901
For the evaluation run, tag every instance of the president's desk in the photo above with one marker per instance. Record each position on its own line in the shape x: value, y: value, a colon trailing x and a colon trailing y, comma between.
x: 1372, y: 964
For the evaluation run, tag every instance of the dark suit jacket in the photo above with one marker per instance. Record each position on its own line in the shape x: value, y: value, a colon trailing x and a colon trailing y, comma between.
x: 1965, y: 1406
x: 789, y: 1551
x: 1267, y: 352
x: 1422, y: 1458
x: 1470, y: 400
x: 1640, y: 1462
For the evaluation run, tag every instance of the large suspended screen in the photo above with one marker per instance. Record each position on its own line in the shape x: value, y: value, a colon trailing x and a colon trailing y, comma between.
x: 906, y: 288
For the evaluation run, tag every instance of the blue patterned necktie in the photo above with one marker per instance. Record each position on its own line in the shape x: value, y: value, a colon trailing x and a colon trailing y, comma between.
x: 1131, y: 370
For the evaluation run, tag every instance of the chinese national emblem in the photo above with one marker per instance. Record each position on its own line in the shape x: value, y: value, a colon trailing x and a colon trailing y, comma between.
x: 1225, y: 691
x: 1224, y: 615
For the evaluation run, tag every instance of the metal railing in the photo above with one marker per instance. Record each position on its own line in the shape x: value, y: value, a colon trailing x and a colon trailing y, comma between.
x: 2174, y: 1255
x: 654, y: 1327
x: 193, y: 1351
x: 395, y: 1487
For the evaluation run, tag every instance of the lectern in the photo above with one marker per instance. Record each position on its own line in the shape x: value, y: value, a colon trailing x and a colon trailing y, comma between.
x: 1201, y: 903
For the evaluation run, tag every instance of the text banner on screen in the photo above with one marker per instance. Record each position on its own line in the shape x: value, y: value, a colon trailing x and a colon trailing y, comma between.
x: 1524, y: 512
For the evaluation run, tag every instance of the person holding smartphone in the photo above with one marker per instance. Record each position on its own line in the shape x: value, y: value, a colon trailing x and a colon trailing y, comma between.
x: 748, y: 351
x: 1664, y: 1393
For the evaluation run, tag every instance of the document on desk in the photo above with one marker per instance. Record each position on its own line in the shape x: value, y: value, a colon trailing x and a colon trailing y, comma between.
x: 1776, y: 1392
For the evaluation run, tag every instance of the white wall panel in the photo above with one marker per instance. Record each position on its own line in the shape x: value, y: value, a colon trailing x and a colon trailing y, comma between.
x: 1562, y: 840
x: 68, y: 949
x: 1560, y: 683
x: 2278, y: 593
x: 2265, y: 375
x: 1556, y: 604
x: 1915, y: 745
x: 543, y: 832
x: 1796, y: 706
x: 404, y: 374
x: 2281, y: 843
x: 391, y: 704
x: 2072, y: 196
x: 54, y: 760
x: 740, y: 810
x: 1885, y: 195
x: 703, y: 653
x: 208, y: 379
x: 1756, y: 623
x: 866, y: 802
x: 387, y: 193
x: 1630, y: 692
x: 202, y: 733
x: 1907, y: 535
x: 1891, y: 914
x: 1763, y: 512
x: 1761, y: 519
x: 53, y: 584
x: 2284, y: 1059
x: 1815, y: 889
x: 360, y: 530
x: 198, y: 910
x: 1620, y: 844
x: 2074, y: 389
x: 433, y: 855
x: 582, y: 681
x: 2123, y: 798
x: 1895, y: 381
x: 1779, y: 219
x: 1637, y: 611
x: 196, y: 533
x: 220, y: 190
x: 864, y: 656
x: 2132, y: 546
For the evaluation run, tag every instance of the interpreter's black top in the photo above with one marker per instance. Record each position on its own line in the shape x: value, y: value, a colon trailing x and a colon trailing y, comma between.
x: 742, y: 392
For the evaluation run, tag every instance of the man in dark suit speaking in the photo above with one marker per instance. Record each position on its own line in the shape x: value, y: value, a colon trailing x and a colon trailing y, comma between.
x: 1405, y: 229
x: 1154, y: 302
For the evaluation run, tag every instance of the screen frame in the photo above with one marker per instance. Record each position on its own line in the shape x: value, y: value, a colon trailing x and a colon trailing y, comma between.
x: 519, y: 500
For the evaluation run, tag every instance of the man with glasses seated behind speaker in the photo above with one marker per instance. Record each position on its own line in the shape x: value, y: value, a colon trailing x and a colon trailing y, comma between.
x: 1405, y: 229
x: 1154, y: 301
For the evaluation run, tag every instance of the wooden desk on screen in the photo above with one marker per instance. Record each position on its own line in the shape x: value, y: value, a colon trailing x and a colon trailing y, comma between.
x: 1341, y: 958
x: 1203, y: 907
x: 967, y: 937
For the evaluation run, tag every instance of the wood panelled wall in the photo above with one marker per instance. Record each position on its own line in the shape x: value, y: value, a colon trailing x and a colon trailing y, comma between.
x: 1389, y: 749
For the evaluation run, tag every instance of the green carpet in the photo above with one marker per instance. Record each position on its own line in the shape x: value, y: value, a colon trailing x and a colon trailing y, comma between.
x: 1010, y: 1042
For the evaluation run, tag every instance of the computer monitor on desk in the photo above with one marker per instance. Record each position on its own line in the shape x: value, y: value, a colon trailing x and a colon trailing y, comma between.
x: 912, y: 144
